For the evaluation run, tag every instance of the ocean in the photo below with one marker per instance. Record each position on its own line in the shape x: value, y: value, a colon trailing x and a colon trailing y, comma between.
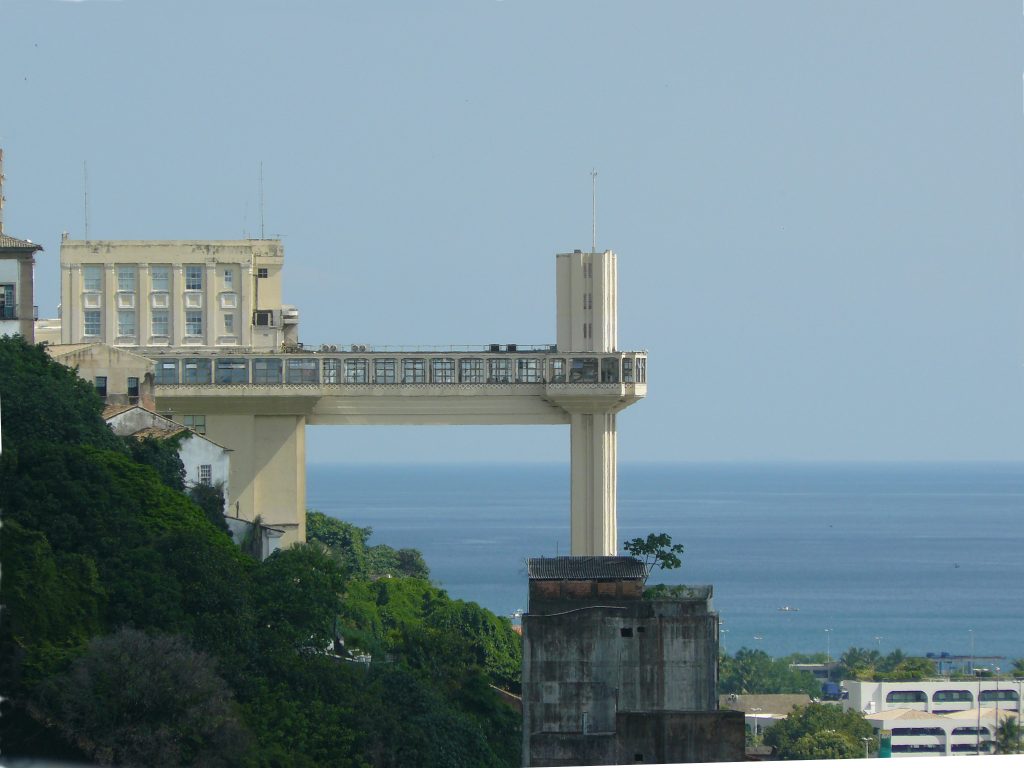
x: 921, y: 557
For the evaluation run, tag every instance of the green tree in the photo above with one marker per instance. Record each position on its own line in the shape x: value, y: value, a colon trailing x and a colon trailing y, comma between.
x: 297, y: 598
x: 346, y: 541
x: 825, y: 745
x: 210, y: 499
x: 162, y: 456
x: 139, y: 700
x: 656, y: 550
x: 754, y: 671
x: 859, y: 664
x: 1008, y: 737
x: 1018, y: 668
x: 44, y: 401
x: 821, y: 722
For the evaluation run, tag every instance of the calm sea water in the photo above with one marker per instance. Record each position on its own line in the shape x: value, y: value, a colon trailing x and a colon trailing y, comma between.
x: 910, y: 556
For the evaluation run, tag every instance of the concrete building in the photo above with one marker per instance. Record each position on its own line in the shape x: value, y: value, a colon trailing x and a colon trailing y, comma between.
x: 225, y: 352
x: 17, y: 262
x: 610, y: 678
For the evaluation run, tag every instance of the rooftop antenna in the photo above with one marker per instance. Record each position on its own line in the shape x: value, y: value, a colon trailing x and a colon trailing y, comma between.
x: 85, y: 195
x: 261, y: 201
x: 593, y: 215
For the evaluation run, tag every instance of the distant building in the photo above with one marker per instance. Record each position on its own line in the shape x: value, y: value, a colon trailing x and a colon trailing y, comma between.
x: 934, y: 696
x: 763, y: 710
x: 205, y: 462
x: 936, y: 717
x: 17, y: 261
x: 160, y: 294
x: 610, y: 678
x: 121, y: 377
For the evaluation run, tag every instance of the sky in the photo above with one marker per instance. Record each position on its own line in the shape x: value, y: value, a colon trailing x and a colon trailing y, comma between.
x: 816, y: 206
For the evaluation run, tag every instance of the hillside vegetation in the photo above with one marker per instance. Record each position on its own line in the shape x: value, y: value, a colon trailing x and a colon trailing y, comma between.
x: 136, y: 632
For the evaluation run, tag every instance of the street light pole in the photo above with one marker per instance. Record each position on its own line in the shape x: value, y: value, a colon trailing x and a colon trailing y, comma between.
x: 828, y: 646
x: 866, y: 741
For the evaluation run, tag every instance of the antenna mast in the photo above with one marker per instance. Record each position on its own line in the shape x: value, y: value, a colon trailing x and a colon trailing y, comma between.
x: 593, y: 213
x: 261, y: 202
x: 85, y: 195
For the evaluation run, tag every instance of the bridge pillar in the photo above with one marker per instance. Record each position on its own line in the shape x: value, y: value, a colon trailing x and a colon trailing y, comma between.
x: 593, y: 523
x: 268, y: 468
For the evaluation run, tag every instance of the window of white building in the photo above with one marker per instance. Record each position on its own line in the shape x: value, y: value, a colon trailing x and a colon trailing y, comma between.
x: 160, y: 277
x: 92, y: 322
x: 194, y: 323
x: 8, y: 308
x: 193, y: 278
x: 160, y: 323
x: 92, y: 277
x: 229, y: 322
x: 126, y: 279
x: 126, y: 322
x: 205, y: 474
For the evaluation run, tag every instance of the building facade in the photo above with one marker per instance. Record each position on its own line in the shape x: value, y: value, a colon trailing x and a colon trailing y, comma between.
x: 154, y: 295
x: 936, y: 717
x: 610, y: 678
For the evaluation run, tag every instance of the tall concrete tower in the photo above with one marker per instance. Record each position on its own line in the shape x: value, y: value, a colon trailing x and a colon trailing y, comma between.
x: 587, y: 306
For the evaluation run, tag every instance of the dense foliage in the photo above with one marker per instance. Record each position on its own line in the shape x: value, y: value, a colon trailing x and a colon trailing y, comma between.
x: 350, y: 545
x: 821, y: 732
x: 862, y: 664
x: 751, y: 671
x: 137, y: 633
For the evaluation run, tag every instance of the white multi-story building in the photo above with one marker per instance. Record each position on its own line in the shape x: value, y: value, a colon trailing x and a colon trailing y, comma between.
x: 154, y: 295
x: 934, y: 696
x: 936, y: 717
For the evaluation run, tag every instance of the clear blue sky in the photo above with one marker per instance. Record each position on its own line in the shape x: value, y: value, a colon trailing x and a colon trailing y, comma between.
x: 816, y: 205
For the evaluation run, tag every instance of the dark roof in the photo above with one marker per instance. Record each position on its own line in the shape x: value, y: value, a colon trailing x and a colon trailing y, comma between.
x: 6, y: 241
x: 586, y: 567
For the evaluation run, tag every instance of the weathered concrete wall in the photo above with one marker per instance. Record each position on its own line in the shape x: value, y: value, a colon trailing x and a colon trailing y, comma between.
x: 679, y: 737
x: 586, y: 666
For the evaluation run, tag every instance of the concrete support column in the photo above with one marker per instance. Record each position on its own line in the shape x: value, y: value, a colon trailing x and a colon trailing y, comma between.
x: 593, y: 523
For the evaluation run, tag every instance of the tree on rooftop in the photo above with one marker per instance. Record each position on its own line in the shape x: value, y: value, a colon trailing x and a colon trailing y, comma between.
x: 656, y: 550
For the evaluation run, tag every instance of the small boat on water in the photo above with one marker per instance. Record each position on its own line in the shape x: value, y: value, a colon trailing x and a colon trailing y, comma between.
x: 788, y: 609
x: 759, y: 637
